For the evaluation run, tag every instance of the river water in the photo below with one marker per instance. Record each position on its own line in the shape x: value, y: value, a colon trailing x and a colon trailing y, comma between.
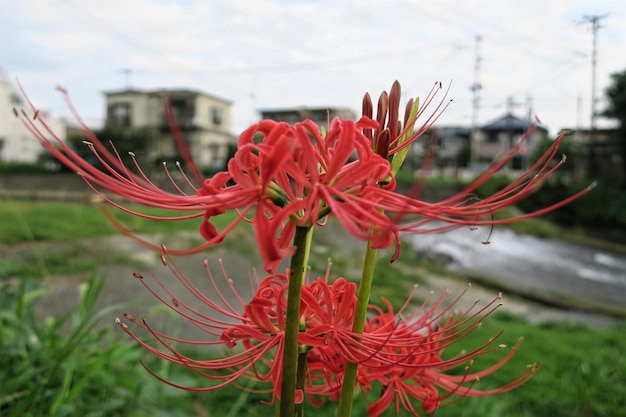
x: 550, y: 270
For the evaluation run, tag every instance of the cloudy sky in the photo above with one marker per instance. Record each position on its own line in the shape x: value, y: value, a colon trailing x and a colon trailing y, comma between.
x: 535, y: 54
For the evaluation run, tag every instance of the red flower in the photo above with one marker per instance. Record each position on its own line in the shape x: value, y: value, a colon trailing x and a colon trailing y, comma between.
x: 411, y: 369
x: 284, y: 176
x: 402, y: 355
x: 392, y: 136
x: 256, y: 328
x: 296, y: 177
x: 250, y: 325
x: 402, y: 360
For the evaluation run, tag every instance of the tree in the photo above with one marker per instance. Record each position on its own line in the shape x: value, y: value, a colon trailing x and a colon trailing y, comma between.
x: 616, y: 109
x: 140, y: 141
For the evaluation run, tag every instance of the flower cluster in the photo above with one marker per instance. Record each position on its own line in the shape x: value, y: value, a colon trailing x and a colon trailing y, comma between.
x: 400, y: 354
x: 319, y: 338
x: 284, y: 176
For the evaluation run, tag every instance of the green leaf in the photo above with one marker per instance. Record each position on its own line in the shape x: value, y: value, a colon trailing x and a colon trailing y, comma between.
x: 398, y: 158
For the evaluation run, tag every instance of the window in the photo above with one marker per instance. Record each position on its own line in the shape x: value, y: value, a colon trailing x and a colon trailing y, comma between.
x: 183, y: 111
x: 214, y: 156
x: 16, y: 100
x: 492, y: 137
x: 216, y: 116
x: 119, y: 114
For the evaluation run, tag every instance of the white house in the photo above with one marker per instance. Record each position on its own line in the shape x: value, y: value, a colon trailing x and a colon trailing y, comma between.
x: 17, y: 144
x: 204, y: 119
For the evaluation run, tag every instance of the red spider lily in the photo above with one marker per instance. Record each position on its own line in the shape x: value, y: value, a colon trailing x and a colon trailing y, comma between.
x: 392, y: 136
x: 422, y: 376
x: 284, y: 176
x: 254, y: 330
x: 295, y: 177
x: 404, y: 357
x: 218, y: 319
x: 394, y: 353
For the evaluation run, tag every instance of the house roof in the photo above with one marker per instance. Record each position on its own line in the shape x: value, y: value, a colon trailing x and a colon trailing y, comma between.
x: 303, y: 109
x: 507, y: 122
x: 307, y: 112
x: 173, y: 91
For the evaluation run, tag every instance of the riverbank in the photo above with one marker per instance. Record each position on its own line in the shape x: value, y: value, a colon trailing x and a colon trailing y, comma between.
x: 114, y: 254
x: 119, y: 258
x: 555, y: 273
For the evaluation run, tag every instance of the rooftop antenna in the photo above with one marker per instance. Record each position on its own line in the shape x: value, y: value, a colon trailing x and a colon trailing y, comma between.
x: 128, y: 77
x: 529, y: 108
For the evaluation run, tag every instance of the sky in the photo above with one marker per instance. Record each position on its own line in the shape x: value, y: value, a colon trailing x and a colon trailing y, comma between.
x: 268, y: 54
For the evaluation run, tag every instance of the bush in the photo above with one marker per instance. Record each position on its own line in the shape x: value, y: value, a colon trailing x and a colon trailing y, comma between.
x: 602, y: 207
x: 23, y: 168
x: 66, y: 366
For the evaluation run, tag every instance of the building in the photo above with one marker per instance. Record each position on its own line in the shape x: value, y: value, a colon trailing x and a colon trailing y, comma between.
x: 498, y: 137
x: 17, y: 144
x: 204, y: 119
x: 452, y: 144
x: 320, y: 115
x: 598, y: 151
x: 488, y: 143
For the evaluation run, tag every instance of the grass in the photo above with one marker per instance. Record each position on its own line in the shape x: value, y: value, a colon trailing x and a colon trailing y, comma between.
x: 28, y: 221
x: 581, y: 372
x: 46, y: 238
x: 582, y: 368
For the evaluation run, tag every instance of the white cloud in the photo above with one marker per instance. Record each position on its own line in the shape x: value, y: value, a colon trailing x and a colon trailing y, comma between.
x: 275, y: 53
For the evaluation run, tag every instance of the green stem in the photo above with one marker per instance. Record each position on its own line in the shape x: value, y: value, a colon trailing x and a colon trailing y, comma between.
x: 365, y: 287
x: 300, y: 379
x: 302, y: 242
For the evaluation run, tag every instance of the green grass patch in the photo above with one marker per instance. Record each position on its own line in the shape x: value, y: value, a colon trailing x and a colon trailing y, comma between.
x: 47, y: 238
x: 26, y: 221
x: 581, y: 371
x: 65, y: 260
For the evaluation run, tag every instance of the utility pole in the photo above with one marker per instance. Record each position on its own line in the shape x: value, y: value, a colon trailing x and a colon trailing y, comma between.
x: 579, y: 119
x: 594, y: 20
x: 475, y: 89
x: 511, y: 104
